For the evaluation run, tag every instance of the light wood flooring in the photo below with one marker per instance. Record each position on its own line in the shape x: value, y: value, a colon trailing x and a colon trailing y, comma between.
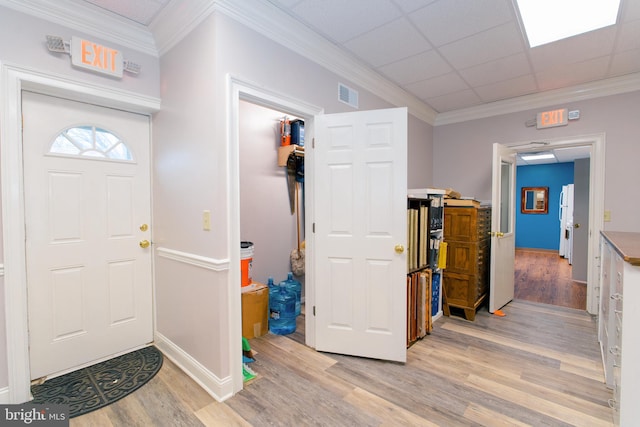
x: 537, y: 366
x: 544, y: 276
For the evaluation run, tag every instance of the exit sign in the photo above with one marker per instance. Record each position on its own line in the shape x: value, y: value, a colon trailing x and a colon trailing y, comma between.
x: 549, y: 119
x: 96, y: 57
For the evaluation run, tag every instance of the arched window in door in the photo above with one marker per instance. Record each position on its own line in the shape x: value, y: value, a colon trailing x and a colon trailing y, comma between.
x: 90, y: 141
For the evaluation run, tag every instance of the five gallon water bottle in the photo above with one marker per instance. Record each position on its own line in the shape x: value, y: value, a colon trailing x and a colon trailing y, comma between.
x: 296, y: 287
x: 282, y: 311
x: 272, y: 287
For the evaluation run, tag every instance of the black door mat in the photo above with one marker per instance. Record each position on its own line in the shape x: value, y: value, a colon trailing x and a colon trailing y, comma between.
x: 99, y: 385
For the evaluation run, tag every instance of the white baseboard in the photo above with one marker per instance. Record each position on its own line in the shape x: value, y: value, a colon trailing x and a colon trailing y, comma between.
x: 4, y: 396
x: 219, y: 389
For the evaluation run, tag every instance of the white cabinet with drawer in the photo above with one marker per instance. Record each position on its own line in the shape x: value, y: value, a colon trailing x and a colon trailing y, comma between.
x: 620, y: 311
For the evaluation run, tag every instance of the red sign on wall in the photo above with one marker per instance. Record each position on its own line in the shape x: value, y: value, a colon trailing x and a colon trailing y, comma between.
x: 96, y: 57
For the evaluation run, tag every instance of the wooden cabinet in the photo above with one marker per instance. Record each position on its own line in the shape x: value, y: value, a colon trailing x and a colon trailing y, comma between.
x: 618, y: 318
x: 466, y: 278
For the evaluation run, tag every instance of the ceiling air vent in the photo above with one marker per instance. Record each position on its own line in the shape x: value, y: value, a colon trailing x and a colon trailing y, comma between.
x: 347, y: 95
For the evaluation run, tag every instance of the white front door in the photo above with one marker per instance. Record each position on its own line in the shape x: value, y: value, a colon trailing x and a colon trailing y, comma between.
x: 87, y: 213
x: 360, y: 199
x: 502, y: 227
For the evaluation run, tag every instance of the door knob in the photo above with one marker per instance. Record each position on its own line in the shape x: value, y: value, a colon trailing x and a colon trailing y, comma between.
x: 144, y: 244
x: 144, y: 227
x: 577, y: 225
x: 399, y: 249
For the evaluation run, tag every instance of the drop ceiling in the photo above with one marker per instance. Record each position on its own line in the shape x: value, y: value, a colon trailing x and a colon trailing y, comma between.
x: 452, y: 54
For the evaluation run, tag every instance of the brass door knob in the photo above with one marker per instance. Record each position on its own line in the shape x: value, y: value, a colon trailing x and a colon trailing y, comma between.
x: 144, y: 227
x: 144, y: 244
x: 399, y: 249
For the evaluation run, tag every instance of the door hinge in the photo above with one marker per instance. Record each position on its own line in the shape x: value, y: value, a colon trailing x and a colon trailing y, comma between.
x: 313, y: 227
x: 314, y: 310
x: 313, y: 143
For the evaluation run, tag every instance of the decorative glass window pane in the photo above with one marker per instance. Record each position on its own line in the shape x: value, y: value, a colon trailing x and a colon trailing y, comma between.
x: 90, y: 141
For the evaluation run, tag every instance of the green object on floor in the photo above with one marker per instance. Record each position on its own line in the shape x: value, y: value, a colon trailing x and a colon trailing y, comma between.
x: 247, y: 373
x: 245, y: 344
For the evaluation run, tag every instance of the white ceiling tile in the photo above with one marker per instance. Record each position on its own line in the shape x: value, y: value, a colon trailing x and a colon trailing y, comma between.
x: 341, y: 20
x: 285, y: 3
x: 411, y: 5
x: 630, y: 10
x: 573, y: 74
x: 570, y: 154
x: 388, y: 43
x: 483, y: 47
x: 446, y: 21
x: 447, y: 83
x: 495, y: 71
x: 625, y: 63
x: 506, y: 89
x: 140, y: 11
x: 574, y: 49
x: 454, y: 101
x: 419, y: 67
x: 629, y: 36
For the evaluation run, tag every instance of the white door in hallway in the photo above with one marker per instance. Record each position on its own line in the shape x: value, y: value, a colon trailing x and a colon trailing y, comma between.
x: 360, y: 231
x: 87, y: 213
x: 503, y: 240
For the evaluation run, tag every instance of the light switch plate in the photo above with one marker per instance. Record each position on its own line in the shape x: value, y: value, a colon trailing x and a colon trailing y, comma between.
x: 206, y: 220
x: 607, y: 216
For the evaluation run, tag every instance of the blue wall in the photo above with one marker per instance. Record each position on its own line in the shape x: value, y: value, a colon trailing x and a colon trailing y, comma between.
x: 541, y: 231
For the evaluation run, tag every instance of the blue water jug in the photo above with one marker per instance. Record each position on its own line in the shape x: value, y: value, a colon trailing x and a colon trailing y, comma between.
x: 272, y: 286
x: 282, y: 311
x: 296, y: 287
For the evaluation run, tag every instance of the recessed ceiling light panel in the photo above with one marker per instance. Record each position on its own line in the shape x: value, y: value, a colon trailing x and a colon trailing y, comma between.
x: 546, y: 21
x: 538, y: 156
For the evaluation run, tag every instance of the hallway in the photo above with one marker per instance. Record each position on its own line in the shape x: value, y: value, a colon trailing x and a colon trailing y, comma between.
x: 545, y: 277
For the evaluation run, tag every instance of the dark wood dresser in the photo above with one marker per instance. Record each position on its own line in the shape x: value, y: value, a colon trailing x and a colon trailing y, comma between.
x: 466, y: 277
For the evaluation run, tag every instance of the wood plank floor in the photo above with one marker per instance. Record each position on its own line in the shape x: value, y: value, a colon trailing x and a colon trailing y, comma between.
x: 537, y: 366
x: 544, y: 276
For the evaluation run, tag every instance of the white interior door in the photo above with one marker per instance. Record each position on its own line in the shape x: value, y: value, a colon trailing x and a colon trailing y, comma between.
x: 502, y: 227
x: 87, y: 210
x: 360, y: 218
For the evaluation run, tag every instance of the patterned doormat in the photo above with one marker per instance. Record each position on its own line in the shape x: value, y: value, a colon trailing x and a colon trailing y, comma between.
x: 99, y: 385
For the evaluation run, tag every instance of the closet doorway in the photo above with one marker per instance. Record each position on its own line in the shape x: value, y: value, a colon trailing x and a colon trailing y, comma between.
x: 271, y: 206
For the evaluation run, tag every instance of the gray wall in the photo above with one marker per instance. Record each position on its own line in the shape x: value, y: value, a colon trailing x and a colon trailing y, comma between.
x: 192, y: 171
x: 462, y: 152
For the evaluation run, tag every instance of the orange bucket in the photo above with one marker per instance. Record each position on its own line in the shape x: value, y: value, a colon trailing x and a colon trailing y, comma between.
x: 246, y: 260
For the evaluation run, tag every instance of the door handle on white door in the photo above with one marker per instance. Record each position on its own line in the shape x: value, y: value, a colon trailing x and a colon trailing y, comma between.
x: 576, y: 225
x: 399, y: 249
x: 144, y: 244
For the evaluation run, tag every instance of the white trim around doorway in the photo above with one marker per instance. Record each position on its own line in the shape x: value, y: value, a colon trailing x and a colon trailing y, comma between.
x: 13, y: 80
x: 238, y: 89
x: 596, y: 144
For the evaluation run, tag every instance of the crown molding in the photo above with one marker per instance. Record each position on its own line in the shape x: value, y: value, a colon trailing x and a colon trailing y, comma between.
x: 177, y: 19
x: 85, y: 17
x: 280, y: 27
x: 608, y: 87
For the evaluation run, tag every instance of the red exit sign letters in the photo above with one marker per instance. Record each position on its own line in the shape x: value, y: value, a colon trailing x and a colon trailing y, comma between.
x: 549, y: 119
x: 96, y: 57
